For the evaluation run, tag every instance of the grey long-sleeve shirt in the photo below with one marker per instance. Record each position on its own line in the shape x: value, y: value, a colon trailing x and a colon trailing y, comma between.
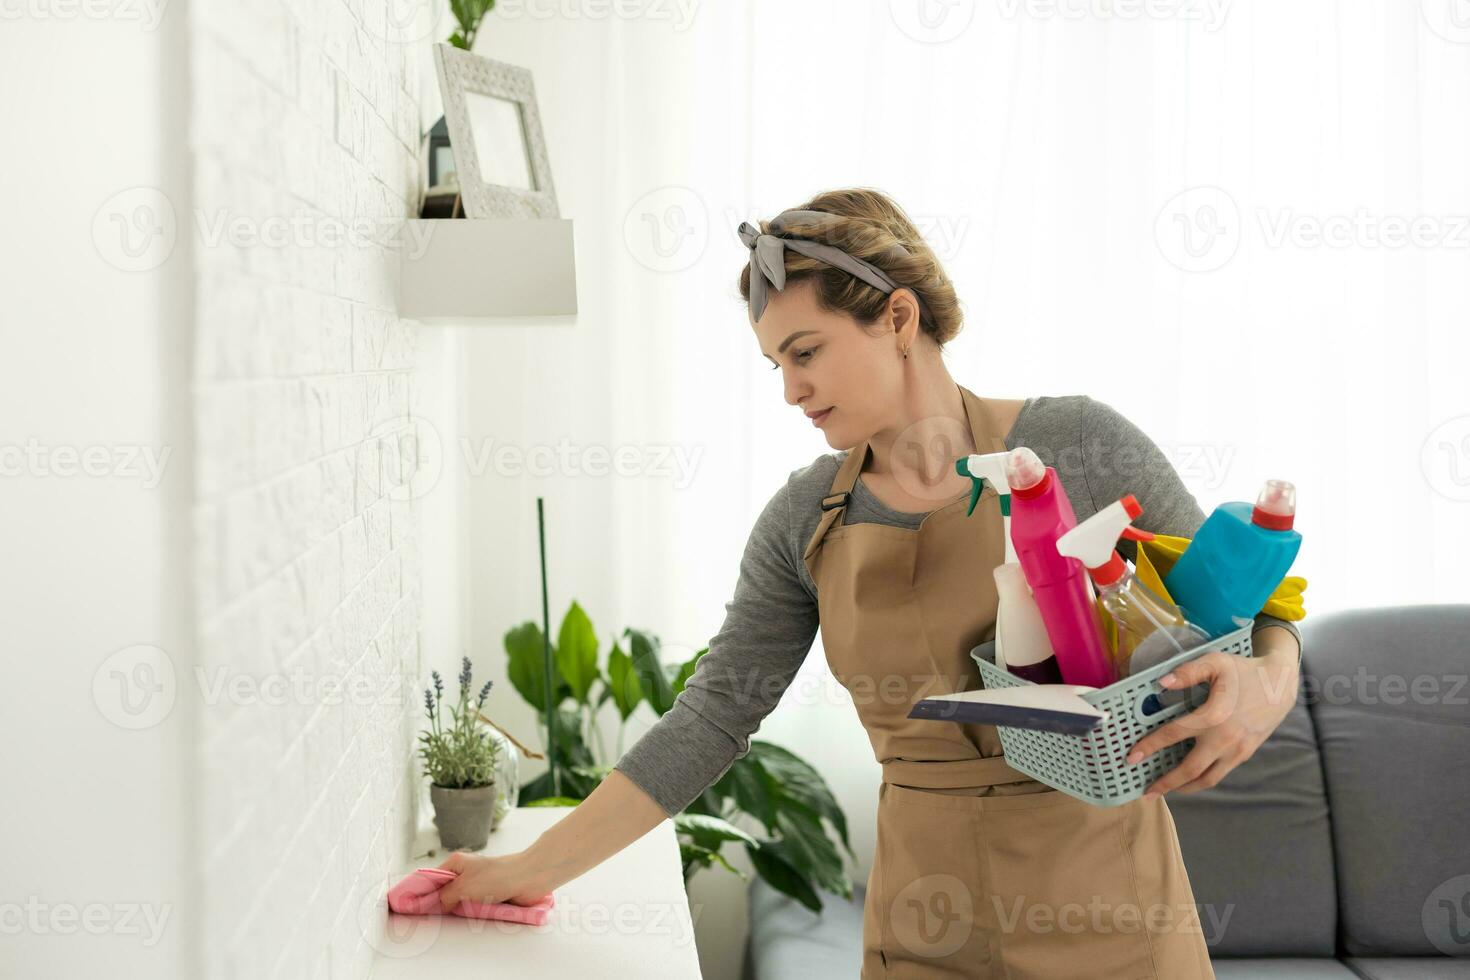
x: 772, y: 621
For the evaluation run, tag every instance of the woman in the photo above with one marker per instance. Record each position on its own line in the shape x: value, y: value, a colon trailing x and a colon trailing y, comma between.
x: 979, y: 871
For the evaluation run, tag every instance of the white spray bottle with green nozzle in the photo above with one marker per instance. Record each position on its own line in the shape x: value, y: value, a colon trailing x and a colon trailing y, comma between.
x: 1021, y: 642
x: 1149, y: 627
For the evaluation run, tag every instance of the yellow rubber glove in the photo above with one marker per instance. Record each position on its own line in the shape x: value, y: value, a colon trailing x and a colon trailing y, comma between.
x: 1156, y: 559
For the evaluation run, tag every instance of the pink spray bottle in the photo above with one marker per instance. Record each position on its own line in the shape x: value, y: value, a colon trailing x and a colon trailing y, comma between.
x: 1040, y: 514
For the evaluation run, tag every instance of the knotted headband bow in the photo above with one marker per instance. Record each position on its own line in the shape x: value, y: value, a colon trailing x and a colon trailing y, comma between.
x: 768, y: 261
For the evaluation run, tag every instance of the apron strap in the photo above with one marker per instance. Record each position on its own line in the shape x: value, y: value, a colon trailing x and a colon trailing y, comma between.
x: 981, y: 427
x: 835, y: 503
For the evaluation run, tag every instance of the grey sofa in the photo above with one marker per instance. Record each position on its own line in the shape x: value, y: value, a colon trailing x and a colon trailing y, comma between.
x: 1341, y: 849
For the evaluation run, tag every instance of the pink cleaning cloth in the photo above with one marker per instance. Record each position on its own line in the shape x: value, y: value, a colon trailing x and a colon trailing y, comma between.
x: 418, y: 894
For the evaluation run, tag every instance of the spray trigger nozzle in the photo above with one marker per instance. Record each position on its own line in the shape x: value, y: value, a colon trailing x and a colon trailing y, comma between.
x: 982, y: 467
x: 977, y: 483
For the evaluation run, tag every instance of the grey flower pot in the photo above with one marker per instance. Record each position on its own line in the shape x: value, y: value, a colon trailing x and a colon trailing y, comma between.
x: 464, y: 816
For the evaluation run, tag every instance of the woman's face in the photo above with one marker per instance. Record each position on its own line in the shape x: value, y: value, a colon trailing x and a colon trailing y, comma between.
x: 828, y: 361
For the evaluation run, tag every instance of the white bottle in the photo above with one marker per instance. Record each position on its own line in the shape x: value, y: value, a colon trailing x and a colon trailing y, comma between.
x: 1022, y: 645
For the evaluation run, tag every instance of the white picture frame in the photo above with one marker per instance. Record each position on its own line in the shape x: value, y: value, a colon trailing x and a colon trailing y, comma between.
x: 495, y: 131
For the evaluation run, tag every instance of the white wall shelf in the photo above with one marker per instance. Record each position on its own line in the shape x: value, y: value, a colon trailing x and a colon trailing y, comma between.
x: 473, y: 270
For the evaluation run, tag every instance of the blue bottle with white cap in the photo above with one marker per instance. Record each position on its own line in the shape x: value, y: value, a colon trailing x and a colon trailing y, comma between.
x: 1237, y: 559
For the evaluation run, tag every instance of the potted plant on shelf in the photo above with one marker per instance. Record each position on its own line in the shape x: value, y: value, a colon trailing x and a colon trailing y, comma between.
x: 460, y: 760
x: 770, y: 787
x: 467, y: 16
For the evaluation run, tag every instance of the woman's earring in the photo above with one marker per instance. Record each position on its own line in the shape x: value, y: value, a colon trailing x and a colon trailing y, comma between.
x: 905, y: 352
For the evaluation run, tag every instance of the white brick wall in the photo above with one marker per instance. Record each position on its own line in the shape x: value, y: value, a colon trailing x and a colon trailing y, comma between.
x: 303, y: 119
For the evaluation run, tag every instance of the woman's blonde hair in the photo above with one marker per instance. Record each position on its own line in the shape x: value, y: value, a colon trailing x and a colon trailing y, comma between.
x: 873, y: 225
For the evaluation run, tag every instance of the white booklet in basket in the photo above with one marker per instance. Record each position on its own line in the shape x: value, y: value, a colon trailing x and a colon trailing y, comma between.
x: 1043, y: 707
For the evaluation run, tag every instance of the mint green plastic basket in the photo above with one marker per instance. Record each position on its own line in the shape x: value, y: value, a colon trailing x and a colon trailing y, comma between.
x: 1092, y: 767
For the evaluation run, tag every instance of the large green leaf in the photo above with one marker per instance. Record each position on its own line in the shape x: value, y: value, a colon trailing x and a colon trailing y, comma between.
x: 526, y: 666
x: 571, y: 750
x: 576, y: 652
x: 573, y: 786
x: 622, y: 682
x: 711, y: 832
x: 753, y: 790
x: 695, y: 855
x: 799, y: 781
x: 709, y: 802
x: 779, y: 872
x: 469, y: 13
x: 686, y: 670
x: 644, y: 647
x: 807, y: 846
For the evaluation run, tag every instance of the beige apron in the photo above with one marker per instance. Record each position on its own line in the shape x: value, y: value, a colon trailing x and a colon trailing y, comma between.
x: 979, y: 870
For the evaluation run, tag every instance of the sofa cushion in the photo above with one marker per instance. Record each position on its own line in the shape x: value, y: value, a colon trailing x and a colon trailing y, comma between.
x: 1258, y: 848
x: 1390, y: 699
x: 788, y: 942
x: 1411, y: 968
x: 1281, y: 968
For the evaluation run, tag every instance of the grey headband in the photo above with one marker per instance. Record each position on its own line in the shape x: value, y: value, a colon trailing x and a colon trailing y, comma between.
x: 768, y: 261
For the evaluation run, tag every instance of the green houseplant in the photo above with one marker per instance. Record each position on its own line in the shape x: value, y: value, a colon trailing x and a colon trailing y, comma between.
x: 460, y: 759
x: 468, y: 14
x: 777, y: 789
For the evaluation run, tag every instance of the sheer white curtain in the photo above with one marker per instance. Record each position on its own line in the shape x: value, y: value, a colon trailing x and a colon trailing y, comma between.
x: 1242, y: 225
x: 1246, y: 227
